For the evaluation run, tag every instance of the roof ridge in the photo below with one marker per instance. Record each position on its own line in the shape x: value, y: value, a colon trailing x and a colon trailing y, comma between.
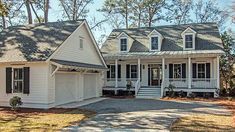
x: 170, y: 25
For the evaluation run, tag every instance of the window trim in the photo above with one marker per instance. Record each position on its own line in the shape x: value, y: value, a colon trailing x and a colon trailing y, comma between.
x: 181, y: 73
x: 81, y: 38
x: 13, y: 80
x: 197, y: 70
x: 158, y: 39
x: 188, y: 41
x: 126, y: 44
x: 130, y: 78
x: 193, y: 41
x: 110, y: 73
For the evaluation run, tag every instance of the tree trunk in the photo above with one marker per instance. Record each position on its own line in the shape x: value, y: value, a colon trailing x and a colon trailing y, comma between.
x: 39, y: 20
x: 46, y: 10
x: 74, y: 9
x: 27, y: 4
x: 3, y: 22
x: 126, y: 16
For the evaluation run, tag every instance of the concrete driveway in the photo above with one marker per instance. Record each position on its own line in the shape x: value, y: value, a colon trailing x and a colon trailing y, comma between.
x: 140, y: 114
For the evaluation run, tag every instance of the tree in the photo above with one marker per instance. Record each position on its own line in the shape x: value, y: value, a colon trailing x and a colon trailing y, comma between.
x: 138, y: 9
x: 153, y: 11
x: 117, y: 8
x: 3, y: 12
x: 226, y: 62
x: 208, y: 11
x: 179, y: 11
x: 75, y: 9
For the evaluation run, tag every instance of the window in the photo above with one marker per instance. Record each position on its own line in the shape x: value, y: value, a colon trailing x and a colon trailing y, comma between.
x: 133, y: 71
x: 81, y: 43
x: 123, y: 44
x: 154, y: 43
x: 188, y: 41
x: 177, y: 71
x: 201, y: 71
x: 18, y: 80
x: 111, y: 74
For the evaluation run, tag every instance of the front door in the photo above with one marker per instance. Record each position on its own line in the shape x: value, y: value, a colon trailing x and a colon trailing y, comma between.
x: 154, y: 75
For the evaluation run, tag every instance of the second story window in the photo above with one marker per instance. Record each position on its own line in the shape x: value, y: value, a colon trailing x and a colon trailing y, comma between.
x: 123, y: 44
x: 189, y: 41
x: 154, y: 43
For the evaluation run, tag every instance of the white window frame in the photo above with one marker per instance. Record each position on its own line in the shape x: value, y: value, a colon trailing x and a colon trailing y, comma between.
x: 154, y: 36
x: 134, y: 72
x: 13, y: 80
x: 110, y: 73
x: 120, y: 45
x: 197, y: 70
x: 181, y: 74
x: 160, y: 38
x: 189, y: 31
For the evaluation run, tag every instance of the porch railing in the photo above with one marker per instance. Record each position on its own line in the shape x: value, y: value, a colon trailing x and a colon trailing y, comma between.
x: 121, y: 82
x: 196, y: 82
x: 204, y: 83
x: 137, y: 87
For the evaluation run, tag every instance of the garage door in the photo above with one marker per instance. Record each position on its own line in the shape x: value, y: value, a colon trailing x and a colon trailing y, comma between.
x: 89, y: 86
x: 65, y: 87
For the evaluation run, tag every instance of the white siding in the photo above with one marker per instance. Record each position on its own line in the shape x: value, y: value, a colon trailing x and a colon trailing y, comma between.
x: 38, y: 97
x: 71, y: 51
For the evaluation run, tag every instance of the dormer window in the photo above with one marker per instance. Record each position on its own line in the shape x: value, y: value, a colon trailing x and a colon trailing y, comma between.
x: 188, y: 41
x: 123, y: 44
x: 154, y: 43
x: 189, y: 36
x: 155, y: 40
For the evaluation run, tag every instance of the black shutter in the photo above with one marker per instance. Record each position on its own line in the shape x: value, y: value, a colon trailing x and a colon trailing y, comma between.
x: 194, y: 70
x: 127, y: 71
x: 108, y: 72
x: 140, y: 72
x: 208, y: 70
x: 184, y: 70
x: 170, y: 70
x: 26, y: 80
x: 8, y: 80
x: 119, y: 71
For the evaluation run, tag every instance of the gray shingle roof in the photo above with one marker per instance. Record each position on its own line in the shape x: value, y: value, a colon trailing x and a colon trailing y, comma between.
x: 78, y: 64
x: 208, y: 38
x: 35, y: 42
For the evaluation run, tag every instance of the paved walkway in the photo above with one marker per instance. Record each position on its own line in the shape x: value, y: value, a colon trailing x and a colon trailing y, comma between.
x: 133, y: 115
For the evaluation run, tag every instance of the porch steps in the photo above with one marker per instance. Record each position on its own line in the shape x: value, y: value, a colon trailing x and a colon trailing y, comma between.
x: 149, y: 92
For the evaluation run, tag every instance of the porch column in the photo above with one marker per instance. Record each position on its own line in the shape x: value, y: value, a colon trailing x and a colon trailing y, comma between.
x: 116, y: 73
x: 139, y: 69
x: 218, y: 72
x: 163, y: 77
x: 189, y: 73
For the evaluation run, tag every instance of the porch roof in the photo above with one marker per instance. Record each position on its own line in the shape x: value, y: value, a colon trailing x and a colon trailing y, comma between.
x: 165, y: 54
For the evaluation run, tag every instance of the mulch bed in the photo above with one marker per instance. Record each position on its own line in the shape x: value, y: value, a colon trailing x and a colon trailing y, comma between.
x: 120, y: 97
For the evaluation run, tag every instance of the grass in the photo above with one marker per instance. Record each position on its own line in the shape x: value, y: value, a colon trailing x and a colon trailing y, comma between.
x: 207, y: 122
x: 204, y: 122
x: 40, y: 120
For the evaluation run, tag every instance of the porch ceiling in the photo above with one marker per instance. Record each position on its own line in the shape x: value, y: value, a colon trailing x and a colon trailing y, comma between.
x: 164, y: 54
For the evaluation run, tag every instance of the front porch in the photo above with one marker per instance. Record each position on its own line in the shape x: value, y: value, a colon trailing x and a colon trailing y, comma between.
x: 188, y: 74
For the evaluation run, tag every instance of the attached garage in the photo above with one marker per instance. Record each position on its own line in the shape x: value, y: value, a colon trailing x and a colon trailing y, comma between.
x: 90, y: 86
x: 65, y: 88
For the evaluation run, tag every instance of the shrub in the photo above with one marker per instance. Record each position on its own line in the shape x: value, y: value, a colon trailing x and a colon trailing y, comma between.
x: 192, y: 95
x: 171, y: 90
x: 15, y: 102
x: 182, y: 94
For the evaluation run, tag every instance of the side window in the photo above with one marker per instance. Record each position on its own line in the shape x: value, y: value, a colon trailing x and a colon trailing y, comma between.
x: 18, y: 80
x: 188, y: 41
x: 177, y: 71
x: 81, y: 43
x: 123, y: 44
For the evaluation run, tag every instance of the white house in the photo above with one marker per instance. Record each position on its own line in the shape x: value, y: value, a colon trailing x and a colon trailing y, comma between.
x: 186, y: 56
x: 50, y: 64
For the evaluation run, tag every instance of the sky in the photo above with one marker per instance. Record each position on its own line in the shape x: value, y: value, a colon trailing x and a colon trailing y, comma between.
x: 56, y: 12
